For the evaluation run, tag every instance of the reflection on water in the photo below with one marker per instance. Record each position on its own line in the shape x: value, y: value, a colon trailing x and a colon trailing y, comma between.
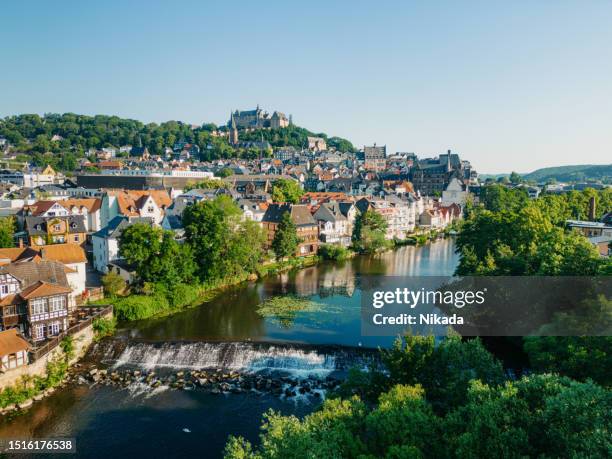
x: 232, y: 316
x: 109, y: 422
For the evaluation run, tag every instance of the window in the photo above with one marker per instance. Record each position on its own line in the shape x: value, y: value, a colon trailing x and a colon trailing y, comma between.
x: 4, y: 289
x: 38, y: 306
x: 39, y: 331
x: 57, y: 228
x: 53, y: 328
x: 76, y: 238
x: 57, y: 303
x: 10, y: 310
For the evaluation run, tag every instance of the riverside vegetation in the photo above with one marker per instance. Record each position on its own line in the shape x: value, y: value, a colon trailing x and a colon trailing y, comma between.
x: 453, y: 400
x: 220, y: 249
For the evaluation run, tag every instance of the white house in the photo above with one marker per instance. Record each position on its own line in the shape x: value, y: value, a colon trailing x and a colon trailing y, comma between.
x: 106, y: 241
x: 455, y: 193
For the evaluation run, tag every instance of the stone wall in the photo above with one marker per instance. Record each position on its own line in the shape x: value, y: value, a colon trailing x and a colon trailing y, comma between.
x: 82, y: 340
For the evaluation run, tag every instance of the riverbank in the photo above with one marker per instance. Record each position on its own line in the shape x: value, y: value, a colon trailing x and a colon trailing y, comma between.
x: 32, y: 382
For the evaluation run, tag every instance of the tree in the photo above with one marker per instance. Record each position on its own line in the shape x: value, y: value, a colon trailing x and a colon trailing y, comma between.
x: 369, y: 232
x: 285, y: 190
x: 225, y: 172
x: 515, y: 178
x: 580, y: 357
x: 7, y: 232
x: 223, y: 243
x: 113, y: 284
x: 156, y: 255
x: 286, y: 240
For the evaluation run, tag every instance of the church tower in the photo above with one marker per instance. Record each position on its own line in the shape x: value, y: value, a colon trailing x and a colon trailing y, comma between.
x: 233, y: 133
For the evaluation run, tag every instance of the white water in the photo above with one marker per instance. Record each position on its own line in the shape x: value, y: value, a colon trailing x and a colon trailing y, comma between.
x: 244, y: 357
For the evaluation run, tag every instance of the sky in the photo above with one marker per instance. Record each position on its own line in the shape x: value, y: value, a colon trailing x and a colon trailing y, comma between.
x: 508, y: 85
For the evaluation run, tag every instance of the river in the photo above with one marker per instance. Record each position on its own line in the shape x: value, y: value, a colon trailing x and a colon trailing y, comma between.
x: 225, y: 332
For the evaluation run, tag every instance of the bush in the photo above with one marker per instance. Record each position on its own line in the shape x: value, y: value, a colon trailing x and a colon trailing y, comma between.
x: 137, y: 307
x: 113, y: 284
x: 333, y: 252
x: 104, y: 327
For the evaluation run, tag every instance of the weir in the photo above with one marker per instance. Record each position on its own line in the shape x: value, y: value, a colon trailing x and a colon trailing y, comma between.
x: 245, y: 357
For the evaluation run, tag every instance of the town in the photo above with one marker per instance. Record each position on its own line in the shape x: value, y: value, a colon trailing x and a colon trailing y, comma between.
x: 68, y: 206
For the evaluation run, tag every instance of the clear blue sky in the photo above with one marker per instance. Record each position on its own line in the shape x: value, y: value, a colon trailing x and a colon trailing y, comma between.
x: 511, y: 85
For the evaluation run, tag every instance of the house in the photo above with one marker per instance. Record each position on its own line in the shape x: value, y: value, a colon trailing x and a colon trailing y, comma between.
x: 335, y: 220
x: 306, y: 225
x: 106, y: 241
x: 13, y: 350
x: 55, y: 230
x: 252, y: 210
x: 70, y: 255
x: 455, y: 193
x: 90, y: 208
x: 35, y: 298
x: 590, y: 229
x: 375, y: 158
x: 139, y: 203
x: 317, y: 144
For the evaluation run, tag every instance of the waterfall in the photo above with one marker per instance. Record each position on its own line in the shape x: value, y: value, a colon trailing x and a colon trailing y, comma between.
x: 238, y: 356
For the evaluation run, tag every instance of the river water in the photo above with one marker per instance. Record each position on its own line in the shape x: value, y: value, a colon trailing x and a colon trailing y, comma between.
x: 226, y: 332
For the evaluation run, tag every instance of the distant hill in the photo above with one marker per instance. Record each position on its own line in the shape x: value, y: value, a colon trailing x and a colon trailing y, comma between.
x: 572, y: 173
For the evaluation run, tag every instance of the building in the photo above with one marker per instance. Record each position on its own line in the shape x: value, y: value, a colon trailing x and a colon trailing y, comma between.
x: 375, y: 158
x: 257, y: 119
x: 455, y: 193
x: 431, y: 177
x: 72, y: 256
x: 13, y: 350
x: 35, y: 298
x: 139, y: 203
x: 106, y: 241
x: 90, y: 208
x: 590, y: 229
x: 317, y: 144
x: 55, y: 230
x: 336, y: 220
x: 307, y: 228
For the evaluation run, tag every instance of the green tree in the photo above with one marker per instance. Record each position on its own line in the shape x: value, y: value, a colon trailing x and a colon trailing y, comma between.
x: 7, y: 232
x: 579, y: 357
x: 223, y: 243
x: 156, y: 255
x: 285, y: 242
x: 286, y: 190
x: 369, y: 232
x: 515, y: 178
x: 113, y: 284
x: 225, y: 172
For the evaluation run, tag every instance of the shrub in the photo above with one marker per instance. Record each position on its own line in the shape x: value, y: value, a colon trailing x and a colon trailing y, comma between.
x: 104, y: 327
x: 113, y: 284
x: 333, y: 252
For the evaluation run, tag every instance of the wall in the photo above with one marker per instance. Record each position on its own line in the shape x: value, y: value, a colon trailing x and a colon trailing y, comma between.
x: 82, y: 340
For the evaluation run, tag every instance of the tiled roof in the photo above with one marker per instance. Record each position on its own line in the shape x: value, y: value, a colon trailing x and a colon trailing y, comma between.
x: 38, y: 225
x: 11, y: 342
x: 300, y: 214
x: 30, y: 272
x: 41, y: 289
x: 130, y: 201
x: 64, y: 253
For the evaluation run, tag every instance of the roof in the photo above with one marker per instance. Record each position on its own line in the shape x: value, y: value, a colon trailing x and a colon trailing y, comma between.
x: 30, y: 272
x: 131, y: 200
x: 64, y: 253
x: 38, y: 225
x: 40, y: 207
x: 300, y: 214
x: 11, y: 342
x: 118, y: 224
x: 329, y: 212
x: 41, y: 289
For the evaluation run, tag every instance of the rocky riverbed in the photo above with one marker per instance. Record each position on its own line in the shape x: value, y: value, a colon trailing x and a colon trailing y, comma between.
x: 216, y: 381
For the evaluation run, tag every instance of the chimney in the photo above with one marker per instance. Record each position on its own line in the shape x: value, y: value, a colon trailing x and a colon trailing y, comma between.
x: 592, y: 208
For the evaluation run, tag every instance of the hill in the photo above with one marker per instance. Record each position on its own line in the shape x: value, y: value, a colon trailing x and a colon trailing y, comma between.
x: 60, y: 139
x: 576, y: 173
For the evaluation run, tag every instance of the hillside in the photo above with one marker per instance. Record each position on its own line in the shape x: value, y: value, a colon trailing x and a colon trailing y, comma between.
x: 60, y: 139
x: 572, y: 173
